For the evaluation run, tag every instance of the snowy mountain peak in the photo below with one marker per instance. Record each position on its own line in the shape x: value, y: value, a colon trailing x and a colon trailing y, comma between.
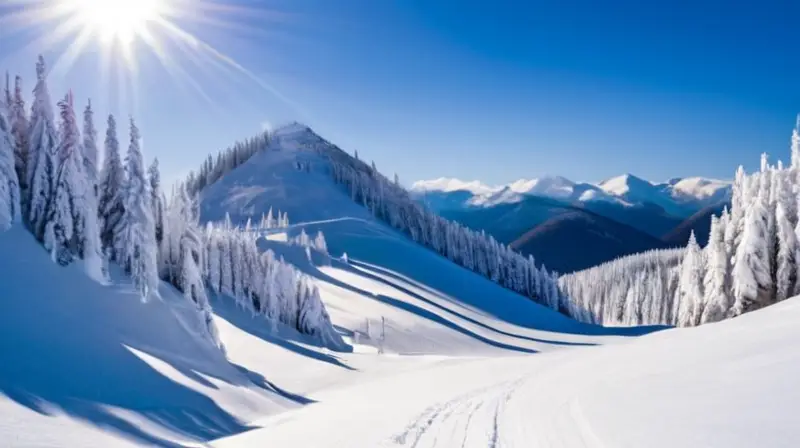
x: 626, y: 184
x: 291, y: 129
x: 678, y: 196
x: 700, y: 188
x: 554, y: 186
x: 447, y: 185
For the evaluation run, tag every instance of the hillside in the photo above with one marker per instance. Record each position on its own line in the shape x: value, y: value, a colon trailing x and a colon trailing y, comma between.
x: 578, y: 240
x: 699, y: 223
x: 661, y: 391
x: 85, y: 364
x: 311, y: 199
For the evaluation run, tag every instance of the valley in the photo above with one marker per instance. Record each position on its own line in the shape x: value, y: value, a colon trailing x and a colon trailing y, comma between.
x: 431, y: 353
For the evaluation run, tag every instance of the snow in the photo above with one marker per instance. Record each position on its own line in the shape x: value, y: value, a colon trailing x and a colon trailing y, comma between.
x: 737, y: 389
x: 447, y: 185
x: 554, y: 186
x: 701, y: 189
x: 680, y: 197
x: 437, y: 356
x: 86, y: 364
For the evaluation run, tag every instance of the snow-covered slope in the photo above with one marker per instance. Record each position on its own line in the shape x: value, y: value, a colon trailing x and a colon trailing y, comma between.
x: 84, y: 364
x: 409, y: 285
x: 727, y: 385
x: 465, y: 363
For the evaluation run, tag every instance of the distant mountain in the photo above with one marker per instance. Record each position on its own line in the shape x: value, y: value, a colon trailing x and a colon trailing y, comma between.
x: 700, y: 223
x: 635, y: 190
x: 580, y: 239
x: 677, y: 197
x: 647, y: 218
x: 541, y: 226
x: 507, y: 222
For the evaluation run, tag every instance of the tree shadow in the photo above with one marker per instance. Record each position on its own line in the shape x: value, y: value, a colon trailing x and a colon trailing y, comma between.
x: 363, y: 270
x: 111, y: 378
x: 260, y: 381
x: 311, y: 270
x: 72, y: 347
x: 259, y: 327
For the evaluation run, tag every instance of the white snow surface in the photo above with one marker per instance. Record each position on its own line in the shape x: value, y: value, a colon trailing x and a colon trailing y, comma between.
x: 730, y: 384
x: 699, y: 188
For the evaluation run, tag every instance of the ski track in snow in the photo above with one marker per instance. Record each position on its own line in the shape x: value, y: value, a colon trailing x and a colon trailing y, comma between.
x: 472, y: 419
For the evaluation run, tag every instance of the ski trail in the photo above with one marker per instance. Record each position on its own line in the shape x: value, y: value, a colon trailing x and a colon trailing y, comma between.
x: 474, y: 419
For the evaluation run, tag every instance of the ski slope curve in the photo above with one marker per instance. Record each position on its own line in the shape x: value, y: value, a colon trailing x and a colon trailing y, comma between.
x: 736, y: 388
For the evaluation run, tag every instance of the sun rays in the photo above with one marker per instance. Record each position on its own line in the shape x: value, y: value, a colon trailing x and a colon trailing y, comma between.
x: 122, y: 29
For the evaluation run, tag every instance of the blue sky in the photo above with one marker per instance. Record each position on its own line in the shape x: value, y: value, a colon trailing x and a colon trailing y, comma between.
x: 494, y: 91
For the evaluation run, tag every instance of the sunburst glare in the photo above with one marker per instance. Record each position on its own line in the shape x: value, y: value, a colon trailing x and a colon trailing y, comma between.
x: 121, y: 20
x: 119, y: 27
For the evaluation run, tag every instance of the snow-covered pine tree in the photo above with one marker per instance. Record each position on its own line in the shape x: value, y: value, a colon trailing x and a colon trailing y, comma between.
x: 90, y: 148
x: 183, y: 249
x: 110, y: 198
x: 214, y: 258
x: 320, y: 244
x: 68, y: 209
x: 9, y: 183
x: 786, y: 221
x: 42, y: 163
x: 134, y: 243
x: 156, y: 200
x: 312, y: 311
x: 717, y: 301
x: 739, y: 201
x: 7, y: 99
x: 751, y: 269
x: 20, y: 133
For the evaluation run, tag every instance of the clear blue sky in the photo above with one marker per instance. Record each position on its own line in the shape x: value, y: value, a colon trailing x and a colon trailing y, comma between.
x: 472, y: 89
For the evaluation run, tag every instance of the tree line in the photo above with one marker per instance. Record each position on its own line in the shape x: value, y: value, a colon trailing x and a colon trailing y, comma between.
x: 752, y: 260
x: 476, y: 251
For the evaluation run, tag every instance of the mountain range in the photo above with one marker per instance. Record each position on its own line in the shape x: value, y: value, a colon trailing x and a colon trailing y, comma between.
x: 597, y: 222
x: 681, y: 197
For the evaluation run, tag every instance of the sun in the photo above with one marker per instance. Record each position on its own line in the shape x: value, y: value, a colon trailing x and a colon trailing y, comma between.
x: 128, y: 32
x: 117, y: 21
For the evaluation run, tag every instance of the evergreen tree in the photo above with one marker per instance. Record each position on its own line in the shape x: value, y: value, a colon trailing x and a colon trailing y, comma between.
x: 9, y: 183
x: 112, y: 179
x: 739, y: 201
x: 751, y: 270
x: 691, y: 285
x: 42, y: 163
x: 7, y: 100
x: 66, y: 214
x: 716, y: 282
x: 20, y: 129
x: 786, y: 220
x: 157, y: 200
x: 90, y: 148
x: 134, y: 242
